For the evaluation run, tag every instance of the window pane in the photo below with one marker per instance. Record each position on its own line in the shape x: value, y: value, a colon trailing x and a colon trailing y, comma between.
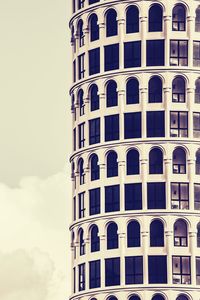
x: 132, y: 54
x: 132, y: 125
x: 157, y: 269
x: 157, y: 47
x: 133, y: 196
x: 111, y: 57
x: 94, y: 61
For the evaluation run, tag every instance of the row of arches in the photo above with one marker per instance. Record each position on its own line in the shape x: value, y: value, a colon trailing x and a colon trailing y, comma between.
x: 155, y: 297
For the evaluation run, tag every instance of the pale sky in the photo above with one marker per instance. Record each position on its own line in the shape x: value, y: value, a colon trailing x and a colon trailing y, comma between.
x: 35, y: 121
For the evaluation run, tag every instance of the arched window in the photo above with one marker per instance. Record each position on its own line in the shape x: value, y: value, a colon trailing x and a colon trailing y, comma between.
x: 132, y: 162
x: 158, y: 297
x: 111, y: 94
x: 132, y: 91
x: 156, y: 234
x: 81, y: 4
x: 112, y: 298
x: 178, y: 89
x: 81, y: 102
x: 94, y: 97
x: 182, y: 297
x: 81, y: 171
x: 179, y: 161
x: 197, y: 165
x: 111, y: 23
x: 155, y: 90
x: 132, y: 19
x: 197, y: 20
x: 155, y: 18
x: 95, y: 245
x: 112, y: 236
x: 81, y: 242
x: 81, y: 35
x: 155, y: 161
x: 112, y: 164
x: 133, y: 234
x: 94, y: 167
x: 180, y: 233
x: 178, y: 18
x: 94, y: 27
x: 198, y: 235
x: 197, y: 91
x: 134, y: 297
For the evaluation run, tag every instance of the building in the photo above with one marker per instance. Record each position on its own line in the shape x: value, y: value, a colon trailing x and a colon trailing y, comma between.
x: 136, y: 161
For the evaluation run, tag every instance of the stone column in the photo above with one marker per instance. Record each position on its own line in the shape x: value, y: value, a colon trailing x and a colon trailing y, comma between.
x: 167, y: 103
x: 121, y: 99
x: 191, y: 173
x: 190, y: 102
x: 190, y: 31
x: 144, y: 172
x: 122, y: 237
x: 167, y: 30
x: 168, y: 172
x: 121, y: 170
x: 144, y: 100
x: 102, y: 249
x: 192, y: 247
x: 169, y: 247
x: 102, y: 168
x: 143, y: 23
x: 121, y: 23
x: 145, y: 247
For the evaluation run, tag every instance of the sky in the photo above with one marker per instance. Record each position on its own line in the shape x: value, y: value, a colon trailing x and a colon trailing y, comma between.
x: 35, y: 145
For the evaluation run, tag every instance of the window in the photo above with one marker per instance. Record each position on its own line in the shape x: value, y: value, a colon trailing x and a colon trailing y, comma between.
x: 81, y: 67
x: 93, y: 1
x: 133, y: 196
x: 112, y: 198
x: 132, y: 162
x: 156, y: 195
x: 134, y: 269
x: 112, y: 164
x: 134, y: 297
x: 94, y: 27
x: 197, y: 196
x: 158, y: 297
x: 155, y: 124
x: 74, y: 139
x: 179, y: 195
x: 196, y: 53
x: 178, y: 53
x: 132, y: 91
x: 74, y: 70
x: 132, y: 54
x: 95, y: 274
x: 197, y: 20
x: 155, y: 46
x: 94, y: 131
x: 81, y: 275
x: 196, y: 125
x: 180, y: 233
x: 197, y: 91
x: 111, y: 94
x: 74, y: 279
x: 157, y: 269
x: 112, y: 236
x: 112, y: 271
x: 95, y: 243
x: 132, y: 125
x: 94, y: 167
x: 178, y: 124
x: 94, y: 61
x: 81, y: 35
x: 179, y: 161
x: 73, y: 6
x: 111, y: 23
x: 94, y: 97
x: 81, y: 171
x: 94, y: 195
x: 178, y: 18
x: 198, y: 235
x: 155, y: 90
x: 132, y: 19
x: 81, y: 242
x: 198, y: 270
x: 133, y: 234
x: 111, y: 128
x: 81, y: 4
x: 81, y: 102
x: 155, y: 161
x: 155, y: 18
x: 81, y: 135
x: 74, y: 206
x: 111, y: 54
x: 197, y: 163
x: 181, y: 270
x: 182, y: 297
x: 178, y: 89
x: 156, y: 234
x: 81, y: 197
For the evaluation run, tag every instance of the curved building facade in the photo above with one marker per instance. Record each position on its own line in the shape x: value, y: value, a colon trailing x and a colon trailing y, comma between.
x: 135, y: 98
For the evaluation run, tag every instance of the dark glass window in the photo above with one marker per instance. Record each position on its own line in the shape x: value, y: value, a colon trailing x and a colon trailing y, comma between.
x: 94, y: 195
x: 155, y: 46
x: 157, y: 269
x: 81, y: 4
x: 197, y: 91
x: 95, y: 274
x: 155, y: 124
x: 180, y: 234
x: 132, y: 125
x: 81, y: 171
x: 181, y: 270
x: 95, y: 174
x: 196, y: 53
x: 73, y: 6
x: 132, y: 91
x: 111, y: 94
x: 93, y: 1
x: 74, y: 70
x: 94, y: 131
x: 132, y: 19
x: 178, y: 124
x: 197, y: 196
x: 133, y: 234
x: 112, y: 271
x: 155, y: 161
x: 74, y: 210
x: 156, y: 195
x: 81, y: 102
x: 81, y: 66
x: 198, y: 270
x: 178, y: 18
x: 158, y: 297
x: 155, y: 89
x: 132, y: 162
x: 132, y: 54
x: 178, y: 53
x: 94, y: 98
x: 81, y: 33
x: 81, y: 197
x: 111, y: 128
x: 94, y: 61
x: 111, y: 23
x: 74, y: 139
x: 111, y: 54
x: 112, y: 198
x: 179, y: 161
x: 155, y: 18
x: 133, y: 196
x: 196, y: 125
x: 156, y: 234
x: 81, y: 276
x: 74, y: 279
x: 197, y: 20
x: 182, y: 297
x: 197, y: 163
x: 94, y: 27
x: 134, y: 269
x: 134, y: 297
x: 112, y: 236
x: 178, y: 89
x: 198, y: 235
x: 81, y: 242
x: 95, y: 241
x: 112, y: 164
x: 179, y: 195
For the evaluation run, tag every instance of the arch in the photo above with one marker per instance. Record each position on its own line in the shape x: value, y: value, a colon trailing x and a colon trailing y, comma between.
x: 132, y: 19
x: 198, y: 235
x: 112, y: 164
x: 134, y: 297
x: 112, y: 236
x: 111, y: 23
x: 133, y: 162
x: 197, y: 91
x: 81, y: 102
x: 132, y: 91
x: 133, y: 234
x: 81, y: 171
x: 182, y: 297
x: 178, y: 89
x: 81, y: 35
x: 95, y: 241
x: 81, y: 242
x: 156, y: 161
x: 111, y: 94
x: 95, y: 174
x: 179, y: 18
x: 93, y: 27
x: 197, y: 19
x: 94, y: 97
x: 180, y: 233
x: 155, y: 18
x: 158, y: 297
x: 155, y: 90
x: 156, y: 234
x: 179, y: 161
x: 112, y: 298
x: 197, y: 162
